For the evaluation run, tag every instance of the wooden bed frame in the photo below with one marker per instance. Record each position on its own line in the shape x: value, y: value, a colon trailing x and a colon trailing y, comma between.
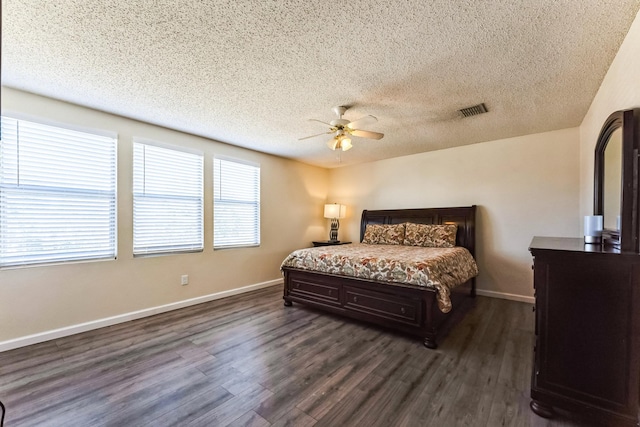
x: 405, y: 308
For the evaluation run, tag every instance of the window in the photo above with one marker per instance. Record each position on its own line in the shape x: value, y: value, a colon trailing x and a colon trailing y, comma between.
x: 57, y: 194
x: 167, y: 200
x: 236, y: 203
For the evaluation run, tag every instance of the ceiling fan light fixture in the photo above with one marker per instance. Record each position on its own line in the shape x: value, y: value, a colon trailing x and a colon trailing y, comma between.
x: 345, y: 144
x: 343, y: 129
x: 340, y: 142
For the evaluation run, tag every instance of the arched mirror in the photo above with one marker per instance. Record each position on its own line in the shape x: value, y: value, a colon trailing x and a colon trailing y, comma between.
x: 616, y: 189
x: 612, y: 187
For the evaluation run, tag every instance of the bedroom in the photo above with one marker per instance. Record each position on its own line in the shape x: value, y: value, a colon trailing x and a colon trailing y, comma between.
x: 532, y: 184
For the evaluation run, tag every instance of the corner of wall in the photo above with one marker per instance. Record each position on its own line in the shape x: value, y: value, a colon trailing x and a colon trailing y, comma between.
x: 620, y: 90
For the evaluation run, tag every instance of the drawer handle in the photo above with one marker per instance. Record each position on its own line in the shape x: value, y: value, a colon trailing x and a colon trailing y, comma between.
x: 355, y: 299
x: 297, y: 285
x: 533, y: 308
x: 402, y: 310
x: 330, y: 291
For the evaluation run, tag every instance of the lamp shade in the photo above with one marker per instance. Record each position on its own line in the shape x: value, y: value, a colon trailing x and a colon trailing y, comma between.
x: 335, y: 210
x: 345, y: 144
x: 333, y: 143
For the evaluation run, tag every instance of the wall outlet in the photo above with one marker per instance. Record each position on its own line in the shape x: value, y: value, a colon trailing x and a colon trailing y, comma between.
x: 184, y: 279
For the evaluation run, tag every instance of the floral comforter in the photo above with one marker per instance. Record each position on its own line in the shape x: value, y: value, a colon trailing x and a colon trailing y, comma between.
x: 439, y: 268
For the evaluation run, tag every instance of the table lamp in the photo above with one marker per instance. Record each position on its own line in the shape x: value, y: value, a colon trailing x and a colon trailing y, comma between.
x: 334, y: 211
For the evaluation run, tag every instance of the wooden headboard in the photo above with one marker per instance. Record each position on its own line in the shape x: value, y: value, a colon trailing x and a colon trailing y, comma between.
x: 464, y: 217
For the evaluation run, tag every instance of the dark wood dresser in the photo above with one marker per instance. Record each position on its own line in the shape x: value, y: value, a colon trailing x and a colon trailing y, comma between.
x: 587, y: 348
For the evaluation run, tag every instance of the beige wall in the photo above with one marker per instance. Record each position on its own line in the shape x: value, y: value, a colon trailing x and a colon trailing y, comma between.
x: 524, y: 186
x: 620, y: 90
x: 40, y: 299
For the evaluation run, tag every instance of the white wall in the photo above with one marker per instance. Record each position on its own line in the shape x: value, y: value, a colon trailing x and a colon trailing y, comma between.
x: 620, y: 90
x: 524, y: 186
x: 43, y: 298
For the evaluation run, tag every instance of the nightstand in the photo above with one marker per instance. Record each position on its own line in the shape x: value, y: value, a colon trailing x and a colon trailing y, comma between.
x: 328, y: 243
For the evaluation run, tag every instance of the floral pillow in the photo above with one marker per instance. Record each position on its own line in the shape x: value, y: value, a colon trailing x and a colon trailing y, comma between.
x: 388, y: 234
x: 430, y: 235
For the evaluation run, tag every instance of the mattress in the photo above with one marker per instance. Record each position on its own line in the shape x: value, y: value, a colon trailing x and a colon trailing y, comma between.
x: 441, y: 269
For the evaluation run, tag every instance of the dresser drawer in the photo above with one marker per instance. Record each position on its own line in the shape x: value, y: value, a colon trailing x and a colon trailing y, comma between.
x: 383, y: 305
x: 323, y: 293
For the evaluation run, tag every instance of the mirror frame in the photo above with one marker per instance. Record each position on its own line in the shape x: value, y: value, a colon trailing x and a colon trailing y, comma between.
x: 627, y: 238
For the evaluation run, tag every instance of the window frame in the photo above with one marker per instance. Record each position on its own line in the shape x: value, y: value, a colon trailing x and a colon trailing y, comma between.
x: 167, y: 251
x: 256, y: 203
x: 111, y: 196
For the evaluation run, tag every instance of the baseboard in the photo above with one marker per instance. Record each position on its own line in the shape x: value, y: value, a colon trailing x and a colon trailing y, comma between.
x: 121, y: 318
x: 502, y: 295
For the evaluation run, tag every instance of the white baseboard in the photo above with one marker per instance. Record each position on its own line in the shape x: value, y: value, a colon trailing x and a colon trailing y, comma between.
x: 121, y: 318
x: 502, y: 295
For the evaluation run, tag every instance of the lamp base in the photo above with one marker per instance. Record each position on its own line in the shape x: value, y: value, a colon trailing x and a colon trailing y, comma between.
x: 333, y: 234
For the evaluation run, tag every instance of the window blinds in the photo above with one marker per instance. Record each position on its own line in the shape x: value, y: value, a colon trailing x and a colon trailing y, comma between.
x: 167, y: 200
x: 57, y: 194
x: 236, y: 203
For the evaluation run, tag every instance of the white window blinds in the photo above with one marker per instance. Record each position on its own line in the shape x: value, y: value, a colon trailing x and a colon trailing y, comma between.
x: 57, y: 194
x: 167, y: 200
x: 236, y: 203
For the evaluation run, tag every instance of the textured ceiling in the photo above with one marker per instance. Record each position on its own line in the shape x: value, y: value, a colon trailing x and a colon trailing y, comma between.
x: 252, y: 73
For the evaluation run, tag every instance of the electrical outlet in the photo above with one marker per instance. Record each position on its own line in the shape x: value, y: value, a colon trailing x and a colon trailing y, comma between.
x: 184, y: 279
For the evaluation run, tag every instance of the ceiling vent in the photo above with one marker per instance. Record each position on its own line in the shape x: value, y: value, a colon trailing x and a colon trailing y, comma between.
x: 474, y: 110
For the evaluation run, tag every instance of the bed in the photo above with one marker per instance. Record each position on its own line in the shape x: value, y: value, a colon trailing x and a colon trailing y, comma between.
x: 410, y: 308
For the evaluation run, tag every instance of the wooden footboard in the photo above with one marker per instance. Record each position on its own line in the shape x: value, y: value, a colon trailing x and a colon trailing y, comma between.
x: 403, y: 308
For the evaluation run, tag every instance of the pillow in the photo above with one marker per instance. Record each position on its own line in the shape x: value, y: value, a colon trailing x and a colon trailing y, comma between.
x: 388, y: 234
x: 430, y: 235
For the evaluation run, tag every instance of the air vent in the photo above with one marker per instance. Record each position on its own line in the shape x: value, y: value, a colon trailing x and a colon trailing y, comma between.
x: 474, y: 110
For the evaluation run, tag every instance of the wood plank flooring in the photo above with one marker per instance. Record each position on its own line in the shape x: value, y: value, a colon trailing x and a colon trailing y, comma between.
x: 248, y: 361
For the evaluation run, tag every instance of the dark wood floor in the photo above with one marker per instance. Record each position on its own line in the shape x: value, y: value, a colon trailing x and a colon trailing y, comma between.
x: 249, y: 361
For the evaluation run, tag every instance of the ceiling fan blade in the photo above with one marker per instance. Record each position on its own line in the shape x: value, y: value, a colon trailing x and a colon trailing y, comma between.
x: 324, y: 123
x: 366, y: 134
x: 363, y: 121
x: 313, y: 136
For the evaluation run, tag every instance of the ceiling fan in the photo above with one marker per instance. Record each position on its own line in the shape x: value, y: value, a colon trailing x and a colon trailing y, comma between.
x: 343, y: 128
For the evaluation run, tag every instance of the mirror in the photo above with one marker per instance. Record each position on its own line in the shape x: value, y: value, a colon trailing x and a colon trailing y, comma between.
x: 616, y: 180
x: 612, y: 196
